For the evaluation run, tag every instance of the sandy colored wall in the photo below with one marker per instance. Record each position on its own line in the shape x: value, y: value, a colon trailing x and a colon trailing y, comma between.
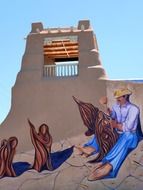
x: 49, y: 100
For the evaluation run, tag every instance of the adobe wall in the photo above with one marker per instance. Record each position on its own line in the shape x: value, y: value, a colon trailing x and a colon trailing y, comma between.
x: 49, y: 100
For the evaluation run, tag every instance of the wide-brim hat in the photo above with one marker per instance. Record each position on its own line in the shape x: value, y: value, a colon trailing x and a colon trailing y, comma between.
x: 121, y: 92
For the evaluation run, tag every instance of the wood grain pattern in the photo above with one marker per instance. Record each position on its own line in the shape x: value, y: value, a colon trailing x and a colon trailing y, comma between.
x: 98, y: 123
x: 42, y: 142
x: 7, y: 152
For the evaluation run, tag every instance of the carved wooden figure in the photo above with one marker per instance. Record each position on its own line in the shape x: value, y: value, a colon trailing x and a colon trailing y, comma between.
x: 98, y: 123
x: 42, y: 142
x: 7, y: 152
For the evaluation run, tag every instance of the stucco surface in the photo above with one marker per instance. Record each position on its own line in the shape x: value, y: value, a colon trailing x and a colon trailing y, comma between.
x: 72, y: 174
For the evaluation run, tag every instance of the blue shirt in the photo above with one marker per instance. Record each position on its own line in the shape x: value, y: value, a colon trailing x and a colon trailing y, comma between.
x: 127, y: 115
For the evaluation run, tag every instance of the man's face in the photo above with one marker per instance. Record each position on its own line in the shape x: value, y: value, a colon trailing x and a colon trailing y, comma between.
x: 121, y: 100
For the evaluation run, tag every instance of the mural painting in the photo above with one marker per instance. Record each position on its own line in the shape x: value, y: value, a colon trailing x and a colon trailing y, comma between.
x: 7, y: 152
x: 115, y: 134
x: 48, y: 148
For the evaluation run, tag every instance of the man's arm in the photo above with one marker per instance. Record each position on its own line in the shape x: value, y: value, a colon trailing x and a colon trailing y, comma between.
x: 131, y: 121
x: 116, y: 125
x: 112, y: 113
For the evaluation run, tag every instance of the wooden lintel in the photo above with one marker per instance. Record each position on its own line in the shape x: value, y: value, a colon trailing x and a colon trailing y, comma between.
x: 61, y: 52
x: 61, y: 48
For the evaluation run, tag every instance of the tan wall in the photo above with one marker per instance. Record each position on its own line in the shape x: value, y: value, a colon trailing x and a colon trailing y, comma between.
x: 50, y: 100
x: 52, y: 103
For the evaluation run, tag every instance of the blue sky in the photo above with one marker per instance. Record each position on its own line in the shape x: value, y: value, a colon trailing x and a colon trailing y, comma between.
x: 118, y: 25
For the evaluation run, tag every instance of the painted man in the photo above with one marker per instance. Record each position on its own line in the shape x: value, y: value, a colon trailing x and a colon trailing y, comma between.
x: 125, y: 119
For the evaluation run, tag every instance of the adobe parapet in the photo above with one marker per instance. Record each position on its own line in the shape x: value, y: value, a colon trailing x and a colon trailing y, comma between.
x: 48, y: 46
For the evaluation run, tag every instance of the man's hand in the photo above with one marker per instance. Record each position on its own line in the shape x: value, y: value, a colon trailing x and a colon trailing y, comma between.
x: 115, y: 124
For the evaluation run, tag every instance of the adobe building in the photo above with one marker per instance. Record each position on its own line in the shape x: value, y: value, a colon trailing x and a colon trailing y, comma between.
x: 58, y: 63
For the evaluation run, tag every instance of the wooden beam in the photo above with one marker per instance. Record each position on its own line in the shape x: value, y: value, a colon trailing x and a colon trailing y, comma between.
x: 61, y: 48
x: 61, y: 52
